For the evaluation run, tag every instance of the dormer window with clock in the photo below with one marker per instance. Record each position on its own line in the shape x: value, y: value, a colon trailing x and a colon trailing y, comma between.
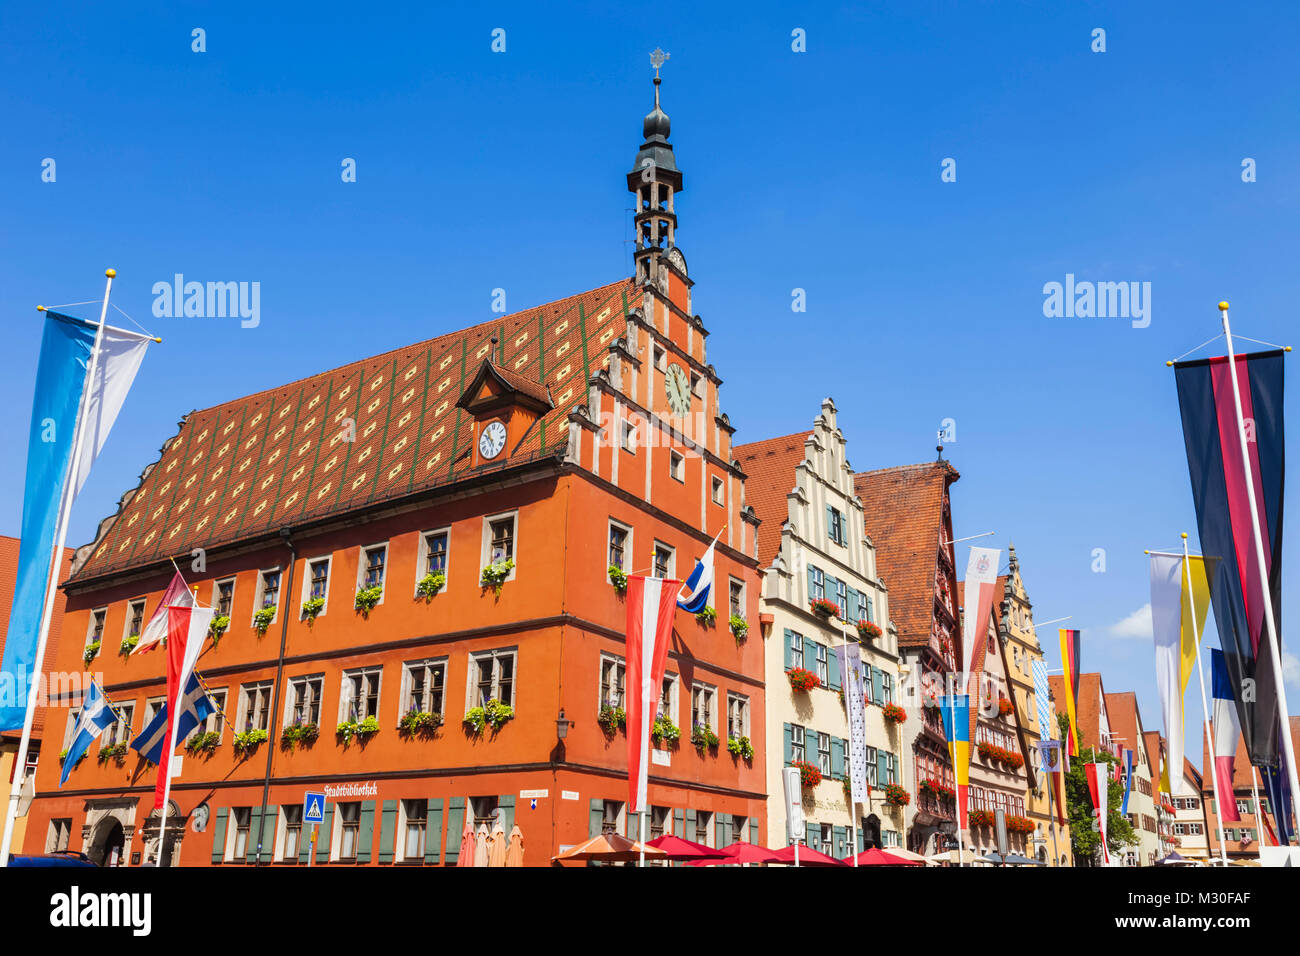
x: 505, y: 407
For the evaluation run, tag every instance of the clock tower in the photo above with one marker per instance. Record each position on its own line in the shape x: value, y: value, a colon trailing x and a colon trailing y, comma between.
x: 504, y: 407
x: 655, y: 181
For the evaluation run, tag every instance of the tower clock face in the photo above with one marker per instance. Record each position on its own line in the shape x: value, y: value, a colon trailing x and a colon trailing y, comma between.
x: 678, y: 385
x: 491, y: 440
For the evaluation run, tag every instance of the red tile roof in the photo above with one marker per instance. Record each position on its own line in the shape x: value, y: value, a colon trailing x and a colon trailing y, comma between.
x: 769, y: 466
x: 244, y: 468
x: 1122, y: 709
x: 1087, y: 707
x: 8, y: 579
x: 903, y: 513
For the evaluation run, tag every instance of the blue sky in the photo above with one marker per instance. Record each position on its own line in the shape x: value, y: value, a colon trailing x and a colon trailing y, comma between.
x: 817, y: 170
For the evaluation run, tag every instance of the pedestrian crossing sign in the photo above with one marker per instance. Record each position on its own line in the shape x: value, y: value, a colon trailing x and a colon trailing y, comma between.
x: 313, y: 807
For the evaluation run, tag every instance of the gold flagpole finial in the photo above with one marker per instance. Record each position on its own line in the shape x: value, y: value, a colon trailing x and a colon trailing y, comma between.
x: 1223, y: 306
x: 111, y: 273
x: 40, y: 308
x: 1184, y: 534
x: 157, y: 339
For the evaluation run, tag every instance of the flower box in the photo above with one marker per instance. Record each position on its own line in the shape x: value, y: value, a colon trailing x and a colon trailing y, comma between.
x: 429, y: 585
x: 809, y: 774
x: 113, y: 752
x: 91, y: 650
x: 494, y: 575
x: 982, y: 818
x: 1005, y: 707
x: 367, y: 598
x: 296, y: 734
x: 363, y: 730
x: 128, y: 645
x: 618, y: 578
x: 702, y: 736
x: 493, y: 714
x: 894, y: 714
x: 247, y: 742
x: 421, y: 723
x: 739, y: 627
x: 707, y: 617
x: 896, y: 796
x: 611, y: 719
x: 204, y: 743
x: 218, y: 628
x: 665, y: 730
x: 1019, y: 824
x: 868, y: 631
x: 311, y: 609
x: 823, y: 608
x: 263, y: 618
x: 938, y: 789
x: 740, y: 747
x: 801, y: 679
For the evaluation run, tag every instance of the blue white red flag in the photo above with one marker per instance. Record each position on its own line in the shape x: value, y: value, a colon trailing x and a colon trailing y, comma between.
x: 650, y: 609
x: 1227, y: 732
x: 700, y: 582
x: 1128, y: 778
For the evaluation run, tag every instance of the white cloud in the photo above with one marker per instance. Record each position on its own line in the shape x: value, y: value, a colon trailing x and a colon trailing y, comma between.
x: 1136, y: 625
x: 1290, y: 668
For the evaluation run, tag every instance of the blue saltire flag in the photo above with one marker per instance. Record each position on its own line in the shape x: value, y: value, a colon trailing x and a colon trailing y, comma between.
x: 1278, y: 789
x: 1128, y: 778
x: 698, y: 586
x: 196, y: 705
x: 95, y: 716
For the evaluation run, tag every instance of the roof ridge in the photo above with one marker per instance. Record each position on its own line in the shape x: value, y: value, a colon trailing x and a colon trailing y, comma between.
x: 764, y: 441
x: 429, y: 341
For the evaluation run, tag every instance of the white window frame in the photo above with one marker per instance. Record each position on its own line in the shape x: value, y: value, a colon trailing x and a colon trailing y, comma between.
x: 258, y: 603
x: 730, y: 582
x: 336, y: 836
x: 619, y: 663
x: 705, y: 817
x: 144, y: 621
x: 674, y: 697
x: 291, y: 689
x: 402, y: 822
x: 827, y: 767
x: 422, y: 566
x: 672, y: 558
x: 408, y: 680
x: 306, y: 583
x: 485, y: 555
x: 362, y: 555
x: 125, y: 728
x: 799, y: 742
x: 216, y: 594
x: 628, y: 550
x: 471, y: 678
x: 244, y: 690
x: 151, y: 707
x: 352, y: 674
x: 282, y: 833
x: 74, y: 715
x: 627, y: 441
x: 215, y: 720
x: 712, y: 690
x: 718, y: 490
x: 90, y: 628
x: 232, y: 835
x: 743, y: 702
x: 676, y: 466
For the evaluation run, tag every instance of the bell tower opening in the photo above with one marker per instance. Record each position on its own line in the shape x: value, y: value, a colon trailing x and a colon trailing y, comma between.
x: 655, y: 181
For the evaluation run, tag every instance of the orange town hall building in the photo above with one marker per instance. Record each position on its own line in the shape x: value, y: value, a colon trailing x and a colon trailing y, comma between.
x: 545, y: 447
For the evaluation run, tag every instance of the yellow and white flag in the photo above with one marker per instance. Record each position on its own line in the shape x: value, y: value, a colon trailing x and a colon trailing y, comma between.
x: 1171, y: 623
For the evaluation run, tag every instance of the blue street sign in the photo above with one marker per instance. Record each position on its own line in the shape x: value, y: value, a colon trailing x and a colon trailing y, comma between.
x: 313, y: 807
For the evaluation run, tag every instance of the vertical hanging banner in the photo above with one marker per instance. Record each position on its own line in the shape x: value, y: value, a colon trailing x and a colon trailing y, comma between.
x: 61, y: 383
x: 1177, y: 615
x: 850, y: 656
x: 1278, y: 790
x: 1098, y: 785
x: 1128, y: 778
x: 1070, y: 661
x: 1227, y: 733
x: 955, y: 710
x: 981, y: 578
x: 651, y: 603
x: 1209, y: 419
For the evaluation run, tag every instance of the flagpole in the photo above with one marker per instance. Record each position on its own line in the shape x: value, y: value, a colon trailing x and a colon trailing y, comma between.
x: 1275, y: 643
x: 1051, y: 814
x: 1259, y: 830
x: 1205, y: 705
x: 52, y: 583
x: 170, y: 748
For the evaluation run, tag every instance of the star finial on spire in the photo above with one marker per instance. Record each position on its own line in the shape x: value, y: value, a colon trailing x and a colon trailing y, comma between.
x: 657, y: 59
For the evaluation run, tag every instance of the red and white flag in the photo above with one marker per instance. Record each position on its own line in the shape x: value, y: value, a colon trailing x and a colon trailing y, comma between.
x: 1227, y: 734
x: 187, y: 629
x: 1099, y: 786
x: 176, y: 595
x: 981, y: 577
x: 651, y: 603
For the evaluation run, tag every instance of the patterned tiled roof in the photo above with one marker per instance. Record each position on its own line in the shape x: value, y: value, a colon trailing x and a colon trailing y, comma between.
x: 769, y: 468
x: 8, y: 578
x: 903, y: 513
x: 282, y: 456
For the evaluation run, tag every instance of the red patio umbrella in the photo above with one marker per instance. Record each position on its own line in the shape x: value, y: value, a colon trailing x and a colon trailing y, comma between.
x: 807, y: 857
x: 740, y: 852
x: 679, y: 849
x: 876, y: 857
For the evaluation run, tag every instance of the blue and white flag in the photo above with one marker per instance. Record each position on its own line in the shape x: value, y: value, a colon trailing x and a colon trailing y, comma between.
x: 95, y: 716
x: 699, y: 585
x: 62, y: 380
x: 196, y: 705
x: 850, y: 658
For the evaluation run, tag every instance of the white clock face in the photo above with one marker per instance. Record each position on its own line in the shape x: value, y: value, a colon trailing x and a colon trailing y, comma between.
x: 678, y: 385
x: 491, y: 440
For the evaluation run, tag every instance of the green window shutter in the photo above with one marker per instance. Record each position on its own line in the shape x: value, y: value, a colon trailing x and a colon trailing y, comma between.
x: 720, y: 823
x: 455, y: 828
x: 753, y: 830
x: 810, y: 655
x: 387, y: 831
x: 219, y: 835
x: 326, y: 830
x: 366, y: 831
x: 433, y: 834
x: 633, y: 825
x: 830, y: 523
x: 268, y: 832
x: 812, y: 582
x: 851, y: 603
x: 837, y: 758
x: 304, y: 844
x: 789, y: 745
x: 254, y: 832
x: 882, y: 773
x: 679, y: 823
x: 813, y: 834
x: 862, y: 837
x: 506, y: 803
x: 690, y: 825
x: 871, y: 614
x: 597, y: 817
x: 878, y: 685
x: 789, y: 650
x: 840, y: 841
x: 833, y: 668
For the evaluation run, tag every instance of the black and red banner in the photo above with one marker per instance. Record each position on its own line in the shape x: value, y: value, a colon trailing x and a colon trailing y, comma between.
x: 1223, y: 518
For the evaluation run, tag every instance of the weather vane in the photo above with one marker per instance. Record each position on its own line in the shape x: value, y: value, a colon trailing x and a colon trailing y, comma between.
x: 657, y: 59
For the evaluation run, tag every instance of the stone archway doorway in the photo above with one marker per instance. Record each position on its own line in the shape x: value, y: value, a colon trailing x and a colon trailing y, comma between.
x: 108, y: 844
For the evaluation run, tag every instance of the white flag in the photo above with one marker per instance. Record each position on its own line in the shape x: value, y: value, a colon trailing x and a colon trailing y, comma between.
x: 120, y: 355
